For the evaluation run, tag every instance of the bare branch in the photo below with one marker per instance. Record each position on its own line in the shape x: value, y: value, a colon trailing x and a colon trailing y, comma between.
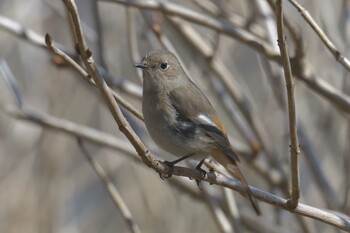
x: 217, y: 212
x: 327, y: 42
x: 232, y: 207
x: 208, y: 21
x: 36, y: 39
x: 328, y: 193
x: 123, y: 125
x: 111, y: 188
x: 73, y: 129
x: 132, y: 40
x: 87, y: 78
x: 294, y: 147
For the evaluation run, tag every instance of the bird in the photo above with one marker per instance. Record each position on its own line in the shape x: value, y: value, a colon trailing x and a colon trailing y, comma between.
x: 181, y: 120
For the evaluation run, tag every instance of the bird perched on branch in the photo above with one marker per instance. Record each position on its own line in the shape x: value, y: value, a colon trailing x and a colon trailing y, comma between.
x: 180, y: 119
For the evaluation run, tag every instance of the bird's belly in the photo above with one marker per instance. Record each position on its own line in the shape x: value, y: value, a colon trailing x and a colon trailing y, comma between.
x: 165, y: 136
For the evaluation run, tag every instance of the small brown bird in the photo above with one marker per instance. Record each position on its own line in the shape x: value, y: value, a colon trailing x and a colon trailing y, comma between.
x: 180, y: 119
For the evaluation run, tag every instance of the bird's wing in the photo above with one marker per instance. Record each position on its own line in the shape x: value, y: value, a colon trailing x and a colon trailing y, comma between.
x: 197, y: 115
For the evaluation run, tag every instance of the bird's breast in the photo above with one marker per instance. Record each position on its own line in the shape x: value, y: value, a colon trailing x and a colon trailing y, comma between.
x: 160, y: 120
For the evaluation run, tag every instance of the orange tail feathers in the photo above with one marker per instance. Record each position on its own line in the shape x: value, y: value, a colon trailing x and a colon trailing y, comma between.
x: 231, y: 164
x: 233, y: 168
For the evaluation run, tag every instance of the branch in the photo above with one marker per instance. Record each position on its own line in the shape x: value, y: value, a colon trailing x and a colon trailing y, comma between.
x: 124, y: 126
x: 132, y: 40
x: 335, y: 96
x: 111, y: 189
x: 294, y: 148
x: 215, y: 178
x: 73, y: 129
x: 221, y: 26
x: 326, y: 41
x: 38, y: 40
x: 87, y: 77
x: 218, y: 213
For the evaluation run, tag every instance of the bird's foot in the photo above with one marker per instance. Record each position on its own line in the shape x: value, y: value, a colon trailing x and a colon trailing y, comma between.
x: 204, y: 173
x: 172, y: 164
x: 170, y: 172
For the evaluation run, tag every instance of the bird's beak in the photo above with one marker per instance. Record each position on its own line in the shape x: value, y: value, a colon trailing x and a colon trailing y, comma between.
x: 141, y: 65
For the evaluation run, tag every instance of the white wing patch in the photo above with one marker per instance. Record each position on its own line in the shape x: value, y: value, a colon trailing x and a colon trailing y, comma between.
x: 205, y: 119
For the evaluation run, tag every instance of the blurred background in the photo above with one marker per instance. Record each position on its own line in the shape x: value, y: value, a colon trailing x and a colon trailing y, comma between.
x: 46, y: 181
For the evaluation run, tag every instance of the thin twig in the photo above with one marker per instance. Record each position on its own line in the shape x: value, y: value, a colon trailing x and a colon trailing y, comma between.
x: 335, y: 96
x: 231, y: 204
x: 132, y: 40
x: 330, y: 93
x: 111, y: 188
x: 237, y: 94
x: 262, y: 225
x: 38, y: 40
x: 208, y: 21
x: 327, y: 192
x: 294, y: 147
x: 73, y: 129
x: 327, y: 42
x: 11, y: 81
x: 217, y: 212
x: 99, y: 31
x: 273, y: 72
x: 87, y: 78
x: 124, y: 126
x: 92, y: 135
x: 309, y: 151
x: 212, y: 9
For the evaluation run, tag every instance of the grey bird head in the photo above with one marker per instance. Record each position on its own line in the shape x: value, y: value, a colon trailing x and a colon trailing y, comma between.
x: 161, y: 68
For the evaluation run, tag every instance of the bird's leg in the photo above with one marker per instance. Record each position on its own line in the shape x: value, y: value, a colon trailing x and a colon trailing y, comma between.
x: 198, y: 167
x: 172, y: 164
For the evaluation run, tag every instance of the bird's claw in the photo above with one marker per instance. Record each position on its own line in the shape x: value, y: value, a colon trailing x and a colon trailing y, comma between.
x: 204, y: 173
x: 170, y: 172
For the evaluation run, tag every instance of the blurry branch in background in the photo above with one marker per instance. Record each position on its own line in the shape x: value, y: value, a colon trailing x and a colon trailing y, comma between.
x: 11, y: 81
x: 328, y: 193
x: 220, y: 217
x: 300, y: 69
x: 111, y: 189
x: 86, y: 55
x: 251, y: 127
x: 132, y: 40
x: 87, y: 77
x: 262, y: 226
x: 327, y: 42
x: 99, y: 34
x: 36, y: 39
x: 233, y: 213
x: 330, y: 197
x: 215, y: 178
x: 73, y: 129
x: 205, y: 20
x: 215, y: 11
x: 332, y: 94
x: 88, y: 134
x: 294, y: 147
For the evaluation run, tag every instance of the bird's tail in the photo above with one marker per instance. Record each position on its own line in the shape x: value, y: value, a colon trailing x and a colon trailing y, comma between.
x: 233, y: 168
x: 230, y: 163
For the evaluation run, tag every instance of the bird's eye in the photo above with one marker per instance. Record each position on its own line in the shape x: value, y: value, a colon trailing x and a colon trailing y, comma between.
x: 164, y: 66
